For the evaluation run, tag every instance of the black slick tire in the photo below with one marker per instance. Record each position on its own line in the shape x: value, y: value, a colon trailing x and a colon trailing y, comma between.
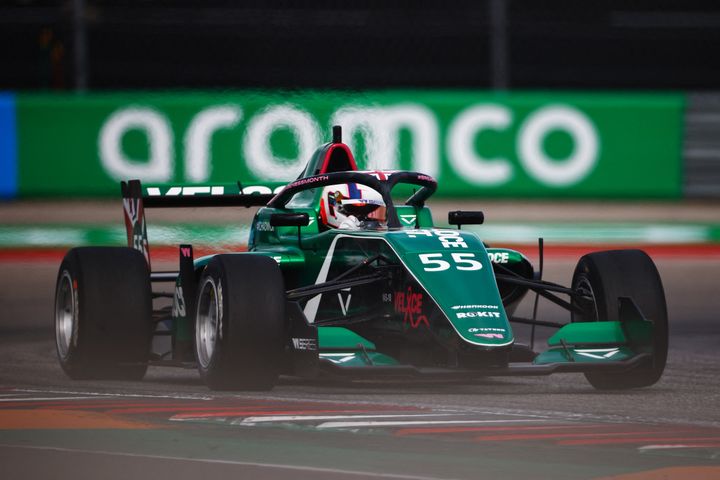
x: 103, y: 313
x: 240, y: 322
x: 624, y: 273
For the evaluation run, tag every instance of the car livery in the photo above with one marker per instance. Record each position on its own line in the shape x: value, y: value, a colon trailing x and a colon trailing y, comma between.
x: 403, y: 299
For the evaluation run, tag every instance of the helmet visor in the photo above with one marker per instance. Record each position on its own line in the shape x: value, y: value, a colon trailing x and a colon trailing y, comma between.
x: 378, y: 214
x: 363, y: 208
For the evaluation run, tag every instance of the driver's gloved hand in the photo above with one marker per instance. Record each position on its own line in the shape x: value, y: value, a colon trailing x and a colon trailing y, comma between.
x: 350, y: 223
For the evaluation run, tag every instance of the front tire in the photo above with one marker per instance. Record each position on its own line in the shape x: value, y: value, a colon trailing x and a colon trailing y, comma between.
x: 605, y: 276
x: 103, y: 313
x: 240, y: 322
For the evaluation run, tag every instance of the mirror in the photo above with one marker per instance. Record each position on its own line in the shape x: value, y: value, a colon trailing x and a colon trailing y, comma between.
x: 459, y: 217
x: 289, y: 219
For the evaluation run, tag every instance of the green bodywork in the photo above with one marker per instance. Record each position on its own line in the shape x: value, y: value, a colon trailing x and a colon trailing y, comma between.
x: 602, y: 333
x: 584, y: 355
x: 452, y: 266
x: 348, y: 349
x: 447, y: 292
x: 457, y: 274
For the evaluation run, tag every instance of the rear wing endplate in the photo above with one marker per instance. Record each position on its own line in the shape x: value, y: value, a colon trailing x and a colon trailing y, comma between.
x: 136, y: 198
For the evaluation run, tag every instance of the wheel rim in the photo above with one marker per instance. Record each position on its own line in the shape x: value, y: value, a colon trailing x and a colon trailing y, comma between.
x: 588, y: 304
x: 65, y: 314
x: 208, y: 321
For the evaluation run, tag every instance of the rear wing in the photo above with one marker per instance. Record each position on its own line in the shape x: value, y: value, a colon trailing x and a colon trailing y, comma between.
x: 136, y: 198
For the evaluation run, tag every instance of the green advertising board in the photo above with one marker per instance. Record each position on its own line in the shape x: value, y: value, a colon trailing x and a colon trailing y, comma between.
x: 475, y: 143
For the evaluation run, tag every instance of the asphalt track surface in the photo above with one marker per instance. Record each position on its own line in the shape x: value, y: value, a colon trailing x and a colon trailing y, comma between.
x: 171, y: 426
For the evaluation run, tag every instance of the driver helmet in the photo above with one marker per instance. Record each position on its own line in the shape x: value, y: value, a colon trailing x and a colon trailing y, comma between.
x: 352, y: 206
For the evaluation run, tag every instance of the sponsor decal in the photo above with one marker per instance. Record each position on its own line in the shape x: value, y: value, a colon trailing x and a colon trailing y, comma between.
x: 178, y: 307
x: 409, y: 303
x: 135, y: 223
x: 387, y: 297
x: 344, y: 302
x: 132, y: 209
x: 487, y: 332
x: 264, y: 227
x: 499, y: 257
x: 305, y: 181
x: 426, y: 178
x: 448, y: 238
x: 338, y: 357
x: 408, y: 219
x: 478, y: 314
x: 139, y: 243
x: 597, y: 353
x: 186, y: 191
x: 474, y: 307
x: 304, y: 343
x: 415, y: 233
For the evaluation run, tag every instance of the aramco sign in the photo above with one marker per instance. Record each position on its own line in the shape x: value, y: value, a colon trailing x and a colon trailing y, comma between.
x: 379, y: 127
x: 525, y: 144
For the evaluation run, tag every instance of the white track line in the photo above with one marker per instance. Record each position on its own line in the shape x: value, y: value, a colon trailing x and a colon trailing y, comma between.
x: 279, y: 466
x: 712, y: 455
x: 42, y: 399
x: 119, y: 395
x: 292, y: 418
x: 460, y: 409
x: 418, y: 422
x: 674, y: 446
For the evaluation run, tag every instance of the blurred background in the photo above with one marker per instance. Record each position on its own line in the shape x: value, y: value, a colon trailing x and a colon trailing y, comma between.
x: 479, y: 44
x: 560, y: 115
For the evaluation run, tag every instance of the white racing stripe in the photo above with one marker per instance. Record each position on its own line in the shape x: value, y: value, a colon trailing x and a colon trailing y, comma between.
x: 418, y: 422
x: 279, y: 466
x: 312, y: 305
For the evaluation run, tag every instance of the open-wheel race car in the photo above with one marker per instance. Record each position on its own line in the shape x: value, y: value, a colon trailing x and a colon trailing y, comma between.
x: 340, y: 279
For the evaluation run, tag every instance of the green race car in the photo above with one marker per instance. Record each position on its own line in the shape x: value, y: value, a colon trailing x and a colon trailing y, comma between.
x: 342, y: 279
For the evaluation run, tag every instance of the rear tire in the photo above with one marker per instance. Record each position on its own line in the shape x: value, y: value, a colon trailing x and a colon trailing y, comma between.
x: 605, y: 276
x: 103, y: 313
x: 240, y: 322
